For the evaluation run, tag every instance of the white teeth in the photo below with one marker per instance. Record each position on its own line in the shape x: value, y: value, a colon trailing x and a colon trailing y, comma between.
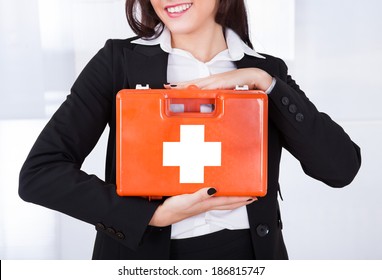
x: 179, y: 9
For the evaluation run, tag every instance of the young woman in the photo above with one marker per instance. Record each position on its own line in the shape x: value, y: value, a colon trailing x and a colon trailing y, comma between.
x: 200, y: 42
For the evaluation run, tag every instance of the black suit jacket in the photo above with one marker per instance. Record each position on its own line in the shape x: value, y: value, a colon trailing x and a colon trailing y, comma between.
x: 51, y: 175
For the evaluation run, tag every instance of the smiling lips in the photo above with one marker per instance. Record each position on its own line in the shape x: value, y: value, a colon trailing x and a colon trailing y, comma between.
x: 178, y: 9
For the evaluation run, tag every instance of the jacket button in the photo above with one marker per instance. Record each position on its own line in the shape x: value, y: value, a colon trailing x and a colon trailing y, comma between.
x: 110, y: 230
x: 262, y: 230
x: 285, y: 101
x: 292, y: 108
x: 120, y: 235
x: 100, y: 226
x: 299, y: 117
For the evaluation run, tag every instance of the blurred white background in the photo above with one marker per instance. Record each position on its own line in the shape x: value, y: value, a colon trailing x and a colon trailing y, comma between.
x: 333, y: 49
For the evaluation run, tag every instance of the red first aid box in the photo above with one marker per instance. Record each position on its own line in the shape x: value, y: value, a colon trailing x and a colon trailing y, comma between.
x: 213, y: 138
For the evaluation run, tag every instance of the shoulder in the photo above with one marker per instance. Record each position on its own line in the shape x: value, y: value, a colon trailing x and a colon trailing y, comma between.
x: 117, y: 45
x: 274, y: 61
x: 114, y: 50
x: 271, y: 64
x: 277, y: 65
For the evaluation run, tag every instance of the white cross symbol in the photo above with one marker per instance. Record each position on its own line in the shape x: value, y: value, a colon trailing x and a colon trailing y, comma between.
x: 191, y: 154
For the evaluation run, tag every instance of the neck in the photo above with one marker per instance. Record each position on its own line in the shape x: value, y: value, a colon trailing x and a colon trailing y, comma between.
x: 203, y: 45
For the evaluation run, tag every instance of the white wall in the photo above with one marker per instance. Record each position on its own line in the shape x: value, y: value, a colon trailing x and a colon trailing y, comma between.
x: 337, y: 62
x: 333, y: 49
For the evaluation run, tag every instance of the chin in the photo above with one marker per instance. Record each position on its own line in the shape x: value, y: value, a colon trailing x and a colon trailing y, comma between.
x: 180, y: 29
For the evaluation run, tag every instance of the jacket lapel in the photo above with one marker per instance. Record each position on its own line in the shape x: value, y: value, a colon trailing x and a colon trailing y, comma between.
x: 145, y: 65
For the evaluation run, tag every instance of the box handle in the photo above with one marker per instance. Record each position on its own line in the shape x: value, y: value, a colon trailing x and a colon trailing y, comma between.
x: 191, y: 102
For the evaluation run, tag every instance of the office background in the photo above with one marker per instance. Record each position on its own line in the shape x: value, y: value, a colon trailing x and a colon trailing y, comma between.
x: 333, y: 49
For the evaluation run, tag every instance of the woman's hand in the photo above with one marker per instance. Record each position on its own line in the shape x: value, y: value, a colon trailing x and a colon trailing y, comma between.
x: 255, y: 78
x: 180, y: 207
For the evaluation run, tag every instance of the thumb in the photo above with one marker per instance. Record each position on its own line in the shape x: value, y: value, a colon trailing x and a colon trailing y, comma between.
x: 204, y: 194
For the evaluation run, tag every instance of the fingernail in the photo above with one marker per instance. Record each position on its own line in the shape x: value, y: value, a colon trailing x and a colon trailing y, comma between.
x: 211, y: 191
x: 251, y: 199
x: 173, y: 86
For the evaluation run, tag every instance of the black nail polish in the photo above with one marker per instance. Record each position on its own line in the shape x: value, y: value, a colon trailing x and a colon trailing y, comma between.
x: 251, y: 199
x: 211, y: 191
x: 173, y: 86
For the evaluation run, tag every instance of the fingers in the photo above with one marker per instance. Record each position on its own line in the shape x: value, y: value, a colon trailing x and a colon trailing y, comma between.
x: 233, y: 206
x: 201, y: 195
x: 206, y: 200
x: 226, y: 80
x: 218, y: 81
x: 180, y: 207
x: 207, y: 83
x: 183, y: 85
x: 229, y: 202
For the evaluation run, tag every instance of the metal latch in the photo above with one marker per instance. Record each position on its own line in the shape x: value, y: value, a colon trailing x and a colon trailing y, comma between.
x: 244, y: 87
x: 139, y: 86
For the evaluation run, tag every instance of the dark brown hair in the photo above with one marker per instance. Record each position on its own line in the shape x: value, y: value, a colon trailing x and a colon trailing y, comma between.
x: 143, y: 20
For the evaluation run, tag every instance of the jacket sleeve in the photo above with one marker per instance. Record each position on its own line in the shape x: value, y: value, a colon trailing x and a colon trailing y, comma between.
x: 323, y: 148
x: 51, y: 175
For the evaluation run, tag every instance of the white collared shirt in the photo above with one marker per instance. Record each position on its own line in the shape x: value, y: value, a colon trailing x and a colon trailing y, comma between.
x: 183, y: 66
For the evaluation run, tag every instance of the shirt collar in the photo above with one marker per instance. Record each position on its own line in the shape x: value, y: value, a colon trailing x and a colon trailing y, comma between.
x: 236, y: 47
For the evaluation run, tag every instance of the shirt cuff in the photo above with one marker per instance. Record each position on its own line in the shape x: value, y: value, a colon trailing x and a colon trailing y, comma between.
x: 269, y: 90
